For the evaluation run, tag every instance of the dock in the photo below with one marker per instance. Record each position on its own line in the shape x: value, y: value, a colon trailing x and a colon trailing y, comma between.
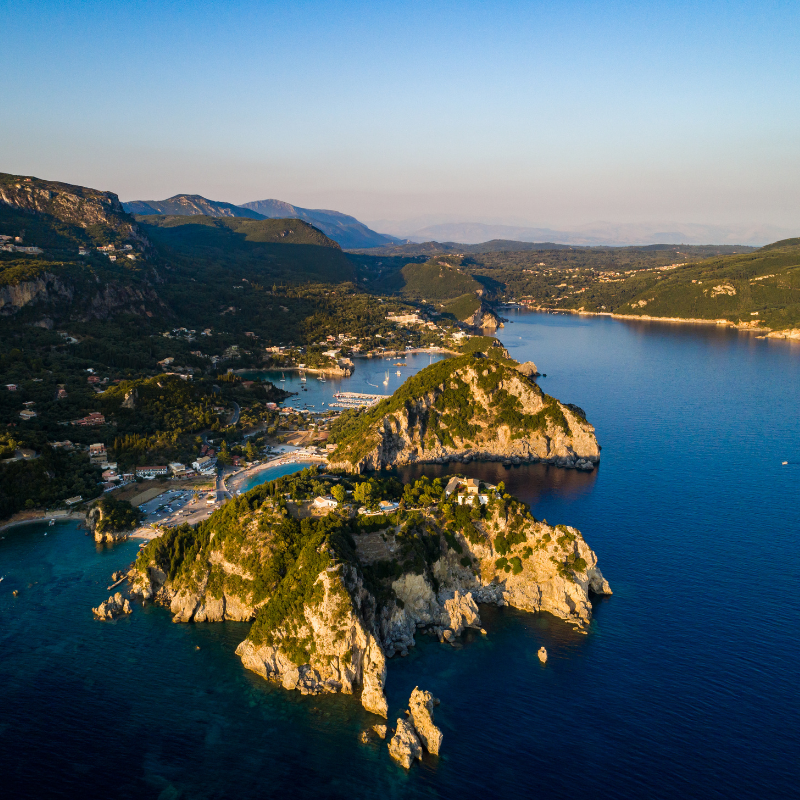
x: 356, y: 399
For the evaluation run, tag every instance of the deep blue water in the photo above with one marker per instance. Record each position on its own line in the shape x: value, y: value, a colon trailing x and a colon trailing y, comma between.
x: 685, y: 685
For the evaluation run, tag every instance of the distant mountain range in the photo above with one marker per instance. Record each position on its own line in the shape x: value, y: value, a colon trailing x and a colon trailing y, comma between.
x: 345, y: 230
x: 594, y: 234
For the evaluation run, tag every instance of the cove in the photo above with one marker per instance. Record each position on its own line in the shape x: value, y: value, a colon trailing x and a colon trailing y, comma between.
x: 683, y: 686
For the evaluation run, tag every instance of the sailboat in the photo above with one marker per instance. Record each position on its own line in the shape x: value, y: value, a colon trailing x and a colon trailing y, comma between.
x: 386, y: 379
x: 321, y: 378
x: 283, y: 377
x: 303, y: 377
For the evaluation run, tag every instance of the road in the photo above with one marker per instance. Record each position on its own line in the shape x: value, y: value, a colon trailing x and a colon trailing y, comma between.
x: 236, y: 412
x: 222, y: 493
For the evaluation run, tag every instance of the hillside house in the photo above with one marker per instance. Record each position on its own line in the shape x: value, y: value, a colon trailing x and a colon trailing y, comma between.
x: 95, y: 418
x: 324, y: 503
x: 27, y: 414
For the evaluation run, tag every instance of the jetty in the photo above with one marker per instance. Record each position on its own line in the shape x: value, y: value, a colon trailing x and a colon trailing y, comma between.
x: 356, y: 399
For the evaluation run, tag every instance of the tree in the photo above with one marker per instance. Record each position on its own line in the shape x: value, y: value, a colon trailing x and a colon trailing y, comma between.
x: 363, y: 494
x: 249, y: 451
x: 339, y: 493
x: 224, y: 456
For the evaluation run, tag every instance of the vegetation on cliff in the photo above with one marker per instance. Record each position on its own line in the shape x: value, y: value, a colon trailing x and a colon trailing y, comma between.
x: 306, y: 577
x: 455, y: 404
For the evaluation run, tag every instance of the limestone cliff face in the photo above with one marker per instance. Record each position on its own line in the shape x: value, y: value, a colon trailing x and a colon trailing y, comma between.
x: 546, y: 568
x: 343, y: 653
x: 481, y: 410
x: 98, y: 301
x: 332, y: 599
x: 43, y: 289
x: 76, y: 205
x: 199, y: 601
x: 485, y: 319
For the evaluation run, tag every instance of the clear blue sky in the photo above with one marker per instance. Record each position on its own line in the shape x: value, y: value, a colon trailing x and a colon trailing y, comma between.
x: 546, y: 113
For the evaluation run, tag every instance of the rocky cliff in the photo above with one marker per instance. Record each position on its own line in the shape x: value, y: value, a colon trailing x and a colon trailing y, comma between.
x: 332, y: 597
x: 464, y: 408
x: 91, y: 211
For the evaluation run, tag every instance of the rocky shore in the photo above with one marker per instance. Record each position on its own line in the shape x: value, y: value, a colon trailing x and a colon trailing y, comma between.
x: 341, y: 620
x: 469, y: 408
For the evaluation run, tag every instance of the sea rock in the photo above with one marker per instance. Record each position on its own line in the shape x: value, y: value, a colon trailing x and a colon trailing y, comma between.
x: 421, y: 706
x: 363, y: 737
x: 528, y: 369
x: 584, y: 464
x: 112, y: 608
x: 111, y: 536
x: 542, y: 655
x: 405, y: 746
x: 380, y: 730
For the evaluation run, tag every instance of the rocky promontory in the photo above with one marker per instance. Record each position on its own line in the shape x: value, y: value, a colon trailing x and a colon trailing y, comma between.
x: 332, y: 596
x: 482, y: 407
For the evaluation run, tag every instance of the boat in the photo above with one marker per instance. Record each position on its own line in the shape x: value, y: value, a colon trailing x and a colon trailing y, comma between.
x: 52, y: 522
x: 303, y: 377
x: 399, y: 373
x: 386, y: 379
x: 784, y: 463
x: 283, y: 377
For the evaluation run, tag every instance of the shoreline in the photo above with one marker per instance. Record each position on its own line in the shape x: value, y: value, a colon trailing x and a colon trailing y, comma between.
x: 236, y: 479
x: 765, y: 333
x: 40, y: 516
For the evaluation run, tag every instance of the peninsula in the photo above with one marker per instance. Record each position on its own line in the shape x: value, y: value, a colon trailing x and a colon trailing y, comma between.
x: 335, y: 587
x: 481, y: 405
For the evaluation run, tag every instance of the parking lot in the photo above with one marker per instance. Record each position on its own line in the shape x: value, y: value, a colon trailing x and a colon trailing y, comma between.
x: 175, y: 507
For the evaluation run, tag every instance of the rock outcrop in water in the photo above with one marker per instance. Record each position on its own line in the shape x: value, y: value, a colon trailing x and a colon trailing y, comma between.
x: 416, y: 732
x: 470, y: 407
x: 112, y: 608
x: 332, y: 597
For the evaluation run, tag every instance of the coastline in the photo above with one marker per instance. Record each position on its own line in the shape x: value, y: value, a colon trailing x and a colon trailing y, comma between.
x: 29, y: 517
x: 233, y: 482
x: 765, y: 333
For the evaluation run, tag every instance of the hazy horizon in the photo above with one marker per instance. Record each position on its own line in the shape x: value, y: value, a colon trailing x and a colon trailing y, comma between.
x: 518, y: 114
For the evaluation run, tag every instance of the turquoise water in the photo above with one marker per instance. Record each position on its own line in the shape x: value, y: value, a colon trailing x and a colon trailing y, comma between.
x: 370, y: 376
x: 685, y: 685
x: 270, y: 473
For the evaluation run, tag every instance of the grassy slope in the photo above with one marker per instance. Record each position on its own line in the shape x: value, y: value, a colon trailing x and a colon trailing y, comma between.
x: 776, y: 298
x: 271, y: 249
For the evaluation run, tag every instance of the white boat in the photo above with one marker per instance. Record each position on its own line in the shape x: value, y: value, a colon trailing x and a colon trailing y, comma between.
x: 303, y: 377
x: 399, y: 373
x: 283, y: 377
x: 52, y: 522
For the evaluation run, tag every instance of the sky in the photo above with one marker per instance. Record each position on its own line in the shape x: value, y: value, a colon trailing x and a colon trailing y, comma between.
x: 550, y: 114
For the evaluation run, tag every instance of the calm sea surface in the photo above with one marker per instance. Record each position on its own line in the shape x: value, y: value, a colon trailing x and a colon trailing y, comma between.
x: 685, y: 686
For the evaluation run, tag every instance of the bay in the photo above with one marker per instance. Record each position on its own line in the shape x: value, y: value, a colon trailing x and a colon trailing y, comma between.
x: 685, y: 684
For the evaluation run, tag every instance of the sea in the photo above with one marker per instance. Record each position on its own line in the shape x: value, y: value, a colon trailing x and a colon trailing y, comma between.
x: 686, y: 684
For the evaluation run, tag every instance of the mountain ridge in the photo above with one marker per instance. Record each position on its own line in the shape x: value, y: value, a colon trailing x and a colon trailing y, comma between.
x: 345, y: 230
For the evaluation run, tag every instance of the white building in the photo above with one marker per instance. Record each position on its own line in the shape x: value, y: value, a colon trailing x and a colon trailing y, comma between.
x: 326, y: 502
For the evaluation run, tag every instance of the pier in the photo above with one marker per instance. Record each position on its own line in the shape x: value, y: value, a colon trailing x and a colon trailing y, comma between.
x: 356, y: 399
